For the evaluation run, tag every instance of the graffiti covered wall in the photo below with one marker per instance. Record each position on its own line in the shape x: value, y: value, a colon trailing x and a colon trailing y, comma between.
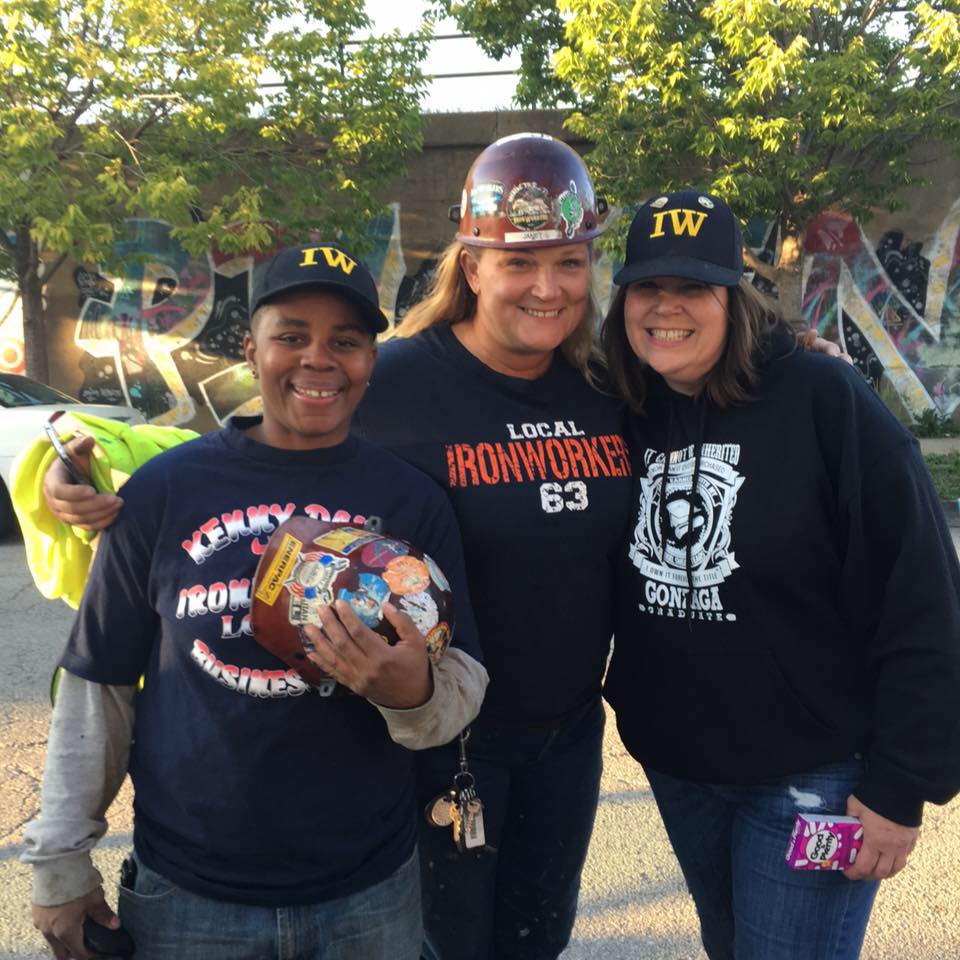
x: 164, y: 333
x: 893, y: 306
x: 11, y: 330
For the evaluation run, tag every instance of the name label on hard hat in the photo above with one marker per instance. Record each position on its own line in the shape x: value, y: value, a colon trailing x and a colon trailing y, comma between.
x: 532, y: 236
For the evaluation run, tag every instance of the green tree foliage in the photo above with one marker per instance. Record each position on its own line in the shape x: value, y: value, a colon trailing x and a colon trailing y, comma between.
x: 785, y: 109
x: 222, y: 117
x: 534, y: 27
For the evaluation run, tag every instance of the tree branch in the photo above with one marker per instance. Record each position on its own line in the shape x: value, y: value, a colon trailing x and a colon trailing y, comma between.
x: 869, y: 13
x: 84, y: 101
x: 131, y: 148
x: 57, y: 264
x: 899, y: 53
x: 758, y: 266
x: 164, y: 106
x: 818, y: 30
x: 144, y: 125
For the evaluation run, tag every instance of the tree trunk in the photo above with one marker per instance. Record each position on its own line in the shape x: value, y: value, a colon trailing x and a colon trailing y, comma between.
x: 790, y: 278
x: 31, y: 300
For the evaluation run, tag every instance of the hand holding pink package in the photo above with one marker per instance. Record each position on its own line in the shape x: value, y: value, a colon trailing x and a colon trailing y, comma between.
x: 824, y: 842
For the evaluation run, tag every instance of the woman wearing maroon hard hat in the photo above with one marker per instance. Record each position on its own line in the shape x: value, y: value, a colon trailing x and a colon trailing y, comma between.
x: 489, y: 388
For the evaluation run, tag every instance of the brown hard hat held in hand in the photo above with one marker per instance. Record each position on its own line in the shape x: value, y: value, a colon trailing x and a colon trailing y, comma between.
x: 308, y: 564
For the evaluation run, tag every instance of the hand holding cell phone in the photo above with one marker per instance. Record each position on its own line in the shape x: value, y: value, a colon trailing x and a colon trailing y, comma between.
x: 75, y: 475
x: 106, y: 942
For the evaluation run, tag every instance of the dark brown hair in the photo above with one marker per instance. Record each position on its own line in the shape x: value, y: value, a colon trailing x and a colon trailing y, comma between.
x: 752, y: 317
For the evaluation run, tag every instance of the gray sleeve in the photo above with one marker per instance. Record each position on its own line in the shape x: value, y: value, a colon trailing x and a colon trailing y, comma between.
x: 459, y: 683
x: 87, y: 753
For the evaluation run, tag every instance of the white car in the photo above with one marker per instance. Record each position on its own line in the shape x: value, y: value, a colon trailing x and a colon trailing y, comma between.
x: 25, y: 405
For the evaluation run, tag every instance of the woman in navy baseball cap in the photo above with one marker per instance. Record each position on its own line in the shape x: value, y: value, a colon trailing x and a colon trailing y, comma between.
x: 276, y: 815
x: 787, y: 647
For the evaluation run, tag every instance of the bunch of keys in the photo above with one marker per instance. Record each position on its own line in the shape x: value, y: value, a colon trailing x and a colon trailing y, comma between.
x: 460, y: 807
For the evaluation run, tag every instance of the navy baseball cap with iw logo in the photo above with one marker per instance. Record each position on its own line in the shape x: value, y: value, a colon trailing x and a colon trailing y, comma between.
x: 324, y: 266
x: 688, y: 234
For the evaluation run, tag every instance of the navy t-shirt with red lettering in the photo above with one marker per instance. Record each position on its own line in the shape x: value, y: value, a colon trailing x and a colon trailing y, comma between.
x: 539, y: 478
x: 250, y: 785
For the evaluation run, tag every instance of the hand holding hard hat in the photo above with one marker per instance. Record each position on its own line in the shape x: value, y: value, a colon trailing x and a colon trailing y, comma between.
x: 338, y: 602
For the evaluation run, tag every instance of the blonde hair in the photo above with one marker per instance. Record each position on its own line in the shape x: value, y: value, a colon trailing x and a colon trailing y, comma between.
x: 752, y: 318
x: 450, y: 300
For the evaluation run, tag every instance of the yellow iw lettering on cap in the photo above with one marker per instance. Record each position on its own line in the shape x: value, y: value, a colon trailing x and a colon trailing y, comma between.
x: 335, y: 259
x: 682, y: 221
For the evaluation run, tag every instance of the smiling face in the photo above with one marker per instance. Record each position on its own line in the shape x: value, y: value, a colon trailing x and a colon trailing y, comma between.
x: 313, y: 355
x: 677, y: 327
x: 528, y: 302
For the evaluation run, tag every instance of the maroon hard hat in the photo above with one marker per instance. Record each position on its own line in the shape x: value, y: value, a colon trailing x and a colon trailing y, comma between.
x: 310, y: 563
x: 528, y: 190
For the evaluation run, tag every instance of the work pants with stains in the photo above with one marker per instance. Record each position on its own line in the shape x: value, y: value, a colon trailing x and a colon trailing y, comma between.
x: 731, y: 842
x: 516, y: 898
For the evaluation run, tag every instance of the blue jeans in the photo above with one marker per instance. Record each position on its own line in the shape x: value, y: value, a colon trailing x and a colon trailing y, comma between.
x: 169, y: 923
x: 731, y: 842
x: 518, y: 897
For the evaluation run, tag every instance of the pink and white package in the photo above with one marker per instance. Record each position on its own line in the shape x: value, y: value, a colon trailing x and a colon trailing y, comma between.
x: 823, y: 842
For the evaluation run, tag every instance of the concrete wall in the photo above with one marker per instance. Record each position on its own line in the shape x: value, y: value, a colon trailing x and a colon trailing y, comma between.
x: 166, y: 336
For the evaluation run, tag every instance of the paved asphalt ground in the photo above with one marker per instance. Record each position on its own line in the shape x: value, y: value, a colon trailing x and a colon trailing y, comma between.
x: 633, y: 905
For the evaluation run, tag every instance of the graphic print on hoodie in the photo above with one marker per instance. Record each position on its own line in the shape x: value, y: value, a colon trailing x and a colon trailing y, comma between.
x: 683, y: 540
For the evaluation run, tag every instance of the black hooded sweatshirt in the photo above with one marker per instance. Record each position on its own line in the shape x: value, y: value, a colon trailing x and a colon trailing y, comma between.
x: 824, y: 618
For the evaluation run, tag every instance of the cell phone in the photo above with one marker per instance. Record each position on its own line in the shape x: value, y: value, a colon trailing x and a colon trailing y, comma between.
x: 75, y: 475
x: 101, y: 941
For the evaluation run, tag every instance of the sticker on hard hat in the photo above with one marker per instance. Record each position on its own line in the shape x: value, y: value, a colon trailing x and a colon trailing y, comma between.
x: 528, y: 206
x: 485, y: 199
x: 421, y: 608
x: 309, y: 564
x: 345, y: 539
x: 438, y: 639
x: 407, y: 575
x: 571, y: 209
x: 368, y: 599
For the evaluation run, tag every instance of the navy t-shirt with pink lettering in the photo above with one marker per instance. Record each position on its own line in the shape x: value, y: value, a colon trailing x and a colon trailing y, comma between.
x: 539, y: 478
x: 251, y: 786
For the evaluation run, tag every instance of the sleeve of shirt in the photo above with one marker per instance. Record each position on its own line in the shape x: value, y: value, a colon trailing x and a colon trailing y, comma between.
x: 459, y: 680
x: 459, y: 683
x: 902, y: 582
x: 116, y: 624
x: 87, y: 754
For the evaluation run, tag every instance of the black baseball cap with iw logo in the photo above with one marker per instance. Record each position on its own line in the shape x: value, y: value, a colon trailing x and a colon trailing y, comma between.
x: 324, y: 266
x: 688, y: 234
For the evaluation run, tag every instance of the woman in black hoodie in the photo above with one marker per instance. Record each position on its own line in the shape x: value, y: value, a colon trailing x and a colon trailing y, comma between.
x: 788, y: 636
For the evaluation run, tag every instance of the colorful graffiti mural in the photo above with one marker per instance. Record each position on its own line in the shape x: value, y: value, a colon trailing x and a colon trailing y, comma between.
x: 165, y: 333
x: 892, y: 309
x: 386, y: 262
x: 11, y: 330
